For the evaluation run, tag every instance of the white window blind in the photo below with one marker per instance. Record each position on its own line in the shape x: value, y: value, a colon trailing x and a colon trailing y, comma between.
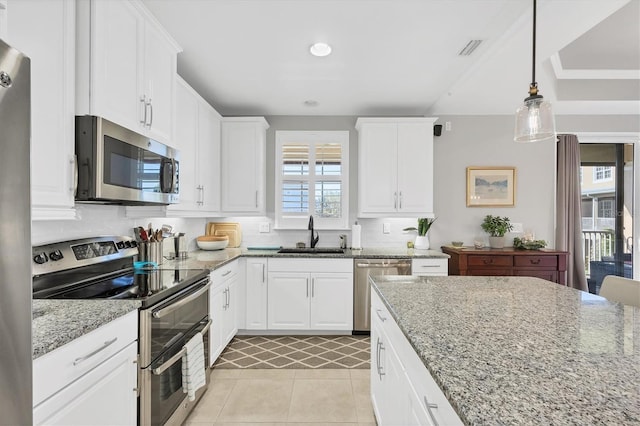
x: 312, y: 179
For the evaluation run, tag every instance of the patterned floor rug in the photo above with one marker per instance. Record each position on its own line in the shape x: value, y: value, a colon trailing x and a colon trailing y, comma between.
x: 299, y: 352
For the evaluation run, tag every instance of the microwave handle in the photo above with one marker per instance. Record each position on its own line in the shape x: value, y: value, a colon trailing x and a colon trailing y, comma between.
x: 168, y: 165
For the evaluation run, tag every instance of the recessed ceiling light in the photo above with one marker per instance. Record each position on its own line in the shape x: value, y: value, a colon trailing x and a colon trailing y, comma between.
x: 320, y: 49
x: 311, y: 103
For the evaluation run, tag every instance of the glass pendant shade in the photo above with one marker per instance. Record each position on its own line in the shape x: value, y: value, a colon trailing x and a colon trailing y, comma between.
x: 534, y: 121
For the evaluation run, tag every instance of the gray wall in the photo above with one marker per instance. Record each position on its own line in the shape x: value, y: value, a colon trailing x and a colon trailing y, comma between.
x: 473, y: 141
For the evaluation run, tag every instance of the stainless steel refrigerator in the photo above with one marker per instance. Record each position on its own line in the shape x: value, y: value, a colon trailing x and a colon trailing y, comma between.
x: 15, y: 238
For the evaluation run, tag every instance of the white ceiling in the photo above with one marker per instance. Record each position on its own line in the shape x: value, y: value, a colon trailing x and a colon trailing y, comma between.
x: 400, y: 57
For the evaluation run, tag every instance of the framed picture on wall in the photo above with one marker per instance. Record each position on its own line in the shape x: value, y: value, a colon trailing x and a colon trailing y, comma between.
x: 491, y: 186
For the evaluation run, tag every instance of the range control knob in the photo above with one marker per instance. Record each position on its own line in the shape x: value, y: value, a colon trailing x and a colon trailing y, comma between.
x: 120, y: 245
x: 134, y: 244
x: 127, y: 244
x: 55, y: 255
x: 40, y: 258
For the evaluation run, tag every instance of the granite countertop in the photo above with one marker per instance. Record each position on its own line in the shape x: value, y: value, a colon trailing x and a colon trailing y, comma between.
x: 57, y: 322
x: 519, y: 350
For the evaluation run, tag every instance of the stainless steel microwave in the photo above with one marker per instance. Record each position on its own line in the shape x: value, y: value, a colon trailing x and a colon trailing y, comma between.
x: 118, y: 166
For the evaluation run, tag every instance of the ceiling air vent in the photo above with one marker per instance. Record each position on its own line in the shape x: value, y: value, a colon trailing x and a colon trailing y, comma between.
x: 469, y: 48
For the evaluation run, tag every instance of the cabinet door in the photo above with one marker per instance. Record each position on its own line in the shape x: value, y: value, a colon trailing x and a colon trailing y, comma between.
x: 256, y: 310
x: 45, y: 31
x: 230, y: 322
x: 288, y: 301
x: 116, y: 63
x: 331, y: 301
x: 159, y: 83
x: 389, y: 388
x: 377, y: 164
x: 92, y: 398
x: 209, y: 157
x: 217, y: 308
x: 243, y: 156
x: 415, y: 167
x: 185, y: 141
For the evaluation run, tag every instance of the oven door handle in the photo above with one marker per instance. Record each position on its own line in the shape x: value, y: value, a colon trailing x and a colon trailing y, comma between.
x: 172, y: 307
x: 168, y: 363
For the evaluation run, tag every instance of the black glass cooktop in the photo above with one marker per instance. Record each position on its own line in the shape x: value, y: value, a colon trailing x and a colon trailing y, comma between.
x: 147, y: 285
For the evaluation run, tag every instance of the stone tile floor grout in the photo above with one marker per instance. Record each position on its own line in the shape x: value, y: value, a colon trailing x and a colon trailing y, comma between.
x: 277, y: 397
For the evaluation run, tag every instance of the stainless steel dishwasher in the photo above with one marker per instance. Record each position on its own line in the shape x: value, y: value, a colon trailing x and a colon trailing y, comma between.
x: 363, y: 269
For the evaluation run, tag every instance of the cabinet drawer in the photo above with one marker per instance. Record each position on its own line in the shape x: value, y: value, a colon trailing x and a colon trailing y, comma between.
x: 536, y: 261
x: 310, y: 265
x: 55, y: 370
x: 223, y: 273
x: 545, y: 274
x: 497, y: 272
x: 490, y: 261
x: 429, y: 266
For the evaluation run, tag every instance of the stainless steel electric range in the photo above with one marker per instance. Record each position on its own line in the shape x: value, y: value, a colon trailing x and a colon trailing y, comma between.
x: 175, y: 306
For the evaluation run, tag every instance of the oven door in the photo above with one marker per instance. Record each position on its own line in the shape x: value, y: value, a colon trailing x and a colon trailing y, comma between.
x: 164, y: 331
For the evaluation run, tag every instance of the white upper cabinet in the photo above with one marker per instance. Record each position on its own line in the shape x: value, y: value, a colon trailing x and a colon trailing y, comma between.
x: 243, y: 165
x: 395, y: 166
x: 45, y: 31
x: 126, y: 67
x: 197, y: 138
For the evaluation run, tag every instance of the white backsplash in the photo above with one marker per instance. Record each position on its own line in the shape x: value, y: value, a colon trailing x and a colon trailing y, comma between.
x: 96, y: 220
x: 372, y: 235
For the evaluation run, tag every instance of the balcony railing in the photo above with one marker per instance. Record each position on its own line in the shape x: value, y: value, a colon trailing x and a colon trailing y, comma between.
x: 596, y: 244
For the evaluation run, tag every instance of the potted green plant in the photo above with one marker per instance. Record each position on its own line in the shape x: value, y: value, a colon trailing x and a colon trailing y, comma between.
x: 496, y: 227
x: 422, y: 240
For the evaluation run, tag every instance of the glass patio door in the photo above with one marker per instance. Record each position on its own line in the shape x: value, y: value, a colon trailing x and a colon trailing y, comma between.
x: 607, y: 186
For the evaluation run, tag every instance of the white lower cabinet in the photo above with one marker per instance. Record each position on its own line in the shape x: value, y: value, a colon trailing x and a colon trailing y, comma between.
x: 402, y: 389
x: 256, y: 296
x: 301, y: 296
x: 91, y: 380
x: 223, y: 308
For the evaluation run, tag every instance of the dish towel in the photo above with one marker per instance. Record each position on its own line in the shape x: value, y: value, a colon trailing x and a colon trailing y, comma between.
x: 193, y: 375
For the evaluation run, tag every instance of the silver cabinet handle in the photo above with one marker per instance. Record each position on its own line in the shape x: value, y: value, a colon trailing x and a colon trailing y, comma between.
x: 226, y: 273
x: 200, y: 189
x: 168, y: 363
x: 148, y: 107
x: 430, y: 266
x: 383, y: 265
x: 74, y: 175
x: 228, y: 297
x: 395, y: 200
x: 429, y: 406
x: 143, y: 112
x: 307, y: 287
x: 256, y: 199
x: 263, y: 268
x: 177, y: 305
x: 378, y: 358
x: 313, y: 287
x: 383, y: 319
x: 89, y: 355
x: 400, y: 204
x: 151, y: 113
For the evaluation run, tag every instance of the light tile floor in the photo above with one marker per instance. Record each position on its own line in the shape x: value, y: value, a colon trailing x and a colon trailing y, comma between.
x: 276, y: 397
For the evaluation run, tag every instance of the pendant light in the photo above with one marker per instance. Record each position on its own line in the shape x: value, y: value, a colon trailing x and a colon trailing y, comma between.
x: 534, y: 119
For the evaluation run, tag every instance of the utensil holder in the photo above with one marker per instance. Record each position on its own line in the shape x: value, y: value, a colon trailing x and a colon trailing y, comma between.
x: 150, y: 252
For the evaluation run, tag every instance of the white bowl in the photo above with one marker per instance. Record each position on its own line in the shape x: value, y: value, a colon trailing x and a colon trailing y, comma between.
x: 212, y: 243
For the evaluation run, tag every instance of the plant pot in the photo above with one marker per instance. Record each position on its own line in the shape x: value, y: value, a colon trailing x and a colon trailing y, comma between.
x: 496, y: 242
x: 422, y: 243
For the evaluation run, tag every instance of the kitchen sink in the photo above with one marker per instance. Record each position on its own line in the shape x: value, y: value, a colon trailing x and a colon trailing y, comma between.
x: 309, y: 250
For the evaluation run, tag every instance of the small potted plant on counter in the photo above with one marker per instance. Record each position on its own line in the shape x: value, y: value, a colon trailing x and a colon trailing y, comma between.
x: 496, y: 227
x: 422, y: 240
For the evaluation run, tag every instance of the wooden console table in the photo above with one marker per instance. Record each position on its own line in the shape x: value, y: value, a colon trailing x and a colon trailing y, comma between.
x: 547, y: 264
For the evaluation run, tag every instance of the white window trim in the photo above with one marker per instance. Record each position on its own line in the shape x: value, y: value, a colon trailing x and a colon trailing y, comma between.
x: 603, y: 179
x: 312, y: 137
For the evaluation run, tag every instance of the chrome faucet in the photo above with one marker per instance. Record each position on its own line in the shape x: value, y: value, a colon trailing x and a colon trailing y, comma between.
x: 312, y: 240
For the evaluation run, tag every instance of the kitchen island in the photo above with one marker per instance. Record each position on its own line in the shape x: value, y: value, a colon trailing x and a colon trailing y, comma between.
x: 519, y: 350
